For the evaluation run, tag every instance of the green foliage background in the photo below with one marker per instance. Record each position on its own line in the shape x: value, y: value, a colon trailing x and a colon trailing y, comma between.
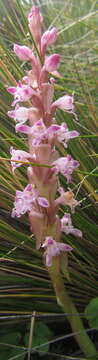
x: 24, y: 283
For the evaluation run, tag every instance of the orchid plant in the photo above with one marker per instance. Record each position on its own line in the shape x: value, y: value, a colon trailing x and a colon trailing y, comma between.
x: 43, y: 195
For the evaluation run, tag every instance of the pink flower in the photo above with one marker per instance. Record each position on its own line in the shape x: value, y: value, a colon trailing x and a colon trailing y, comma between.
x: 48, y: 38
x: 28, y: 200
x: 23, y: 201
x: 38, y: 131
x: 23, y: 128
x: 67, y: 227
x: 21, y: 92
x: 19, y: 155
x: 64, y: 103
x: 23, y: 52
x: 35, y: 23
x: 52, y: 62
x: 66, y: 166
x: 20, y: 114
x: 54, y: 248
x: 61, y: 133
x: 52, y: 134
x: 67, y: 198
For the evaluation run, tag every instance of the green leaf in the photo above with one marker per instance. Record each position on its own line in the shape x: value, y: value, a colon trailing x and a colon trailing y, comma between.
x: 11, y: 338
x: 41, y: 335
x: 8, y: 352
x: 91, y: 313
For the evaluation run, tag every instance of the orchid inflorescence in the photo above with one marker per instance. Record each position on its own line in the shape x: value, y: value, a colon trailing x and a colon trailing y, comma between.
x: 39, y: 199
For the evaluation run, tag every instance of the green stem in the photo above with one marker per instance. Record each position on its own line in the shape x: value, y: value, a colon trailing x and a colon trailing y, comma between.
x: 76, y: 323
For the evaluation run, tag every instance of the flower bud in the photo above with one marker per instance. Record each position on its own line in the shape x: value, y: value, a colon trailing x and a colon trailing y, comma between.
x: 48, y: 38
x: 35, y: 23
x: 52, y: 62
x: 23, y: 52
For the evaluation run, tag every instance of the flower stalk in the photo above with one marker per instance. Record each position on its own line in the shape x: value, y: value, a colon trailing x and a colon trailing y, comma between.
x: 64, y: 300
x: 40, y: 197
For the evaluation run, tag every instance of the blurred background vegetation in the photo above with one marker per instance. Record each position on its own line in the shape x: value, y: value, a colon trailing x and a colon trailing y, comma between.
x: 25, y: 287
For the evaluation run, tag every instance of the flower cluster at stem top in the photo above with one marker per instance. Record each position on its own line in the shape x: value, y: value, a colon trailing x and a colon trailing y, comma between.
x: 37, y: 120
